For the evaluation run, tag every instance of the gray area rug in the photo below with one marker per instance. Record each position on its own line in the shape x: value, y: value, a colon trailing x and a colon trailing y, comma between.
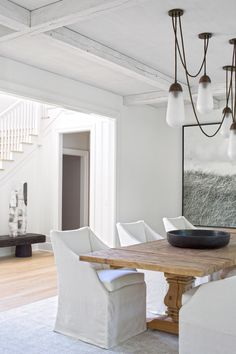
x: 29, y: 330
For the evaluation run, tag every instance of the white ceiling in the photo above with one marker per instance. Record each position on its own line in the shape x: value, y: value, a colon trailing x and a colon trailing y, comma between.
x: 142, y: 31
x: 33, y: 4
x: 145, y: 32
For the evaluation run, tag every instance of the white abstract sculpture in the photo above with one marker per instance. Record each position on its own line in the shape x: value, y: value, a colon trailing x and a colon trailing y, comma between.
x: 13, y: 214
x: 17, y: 211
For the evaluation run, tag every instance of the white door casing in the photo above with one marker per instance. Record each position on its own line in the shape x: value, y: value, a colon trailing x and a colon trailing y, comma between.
x: 102, y: 183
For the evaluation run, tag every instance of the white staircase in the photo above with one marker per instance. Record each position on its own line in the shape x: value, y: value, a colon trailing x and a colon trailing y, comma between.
x: 19, y: 127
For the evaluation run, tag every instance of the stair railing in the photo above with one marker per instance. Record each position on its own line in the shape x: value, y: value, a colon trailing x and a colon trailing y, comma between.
x: 18, y: 124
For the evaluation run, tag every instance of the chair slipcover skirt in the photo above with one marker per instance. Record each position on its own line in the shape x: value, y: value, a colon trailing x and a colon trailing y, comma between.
x: 107, y: 321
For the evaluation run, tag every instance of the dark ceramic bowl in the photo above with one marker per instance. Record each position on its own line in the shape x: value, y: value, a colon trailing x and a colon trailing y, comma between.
x: 197, y: 238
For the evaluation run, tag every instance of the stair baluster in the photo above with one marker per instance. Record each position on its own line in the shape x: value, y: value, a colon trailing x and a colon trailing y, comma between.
x: 18, y: 124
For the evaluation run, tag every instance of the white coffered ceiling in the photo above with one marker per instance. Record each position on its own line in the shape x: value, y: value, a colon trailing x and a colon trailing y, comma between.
x: 144, y: 32
x: 124, y: 46
x: 33, y: 4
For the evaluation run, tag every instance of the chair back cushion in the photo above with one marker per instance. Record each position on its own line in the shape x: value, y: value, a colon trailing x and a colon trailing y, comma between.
x: 96, y: 243
x: 178, y: 223
x: 136, y: 230
x: 151, y: 235
x: 76, y: 240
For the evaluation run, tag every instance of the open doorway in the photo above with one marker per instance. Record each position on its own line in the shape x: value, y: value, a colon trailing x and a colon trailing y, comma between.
x: 75, y: 180
x: 86, y: 148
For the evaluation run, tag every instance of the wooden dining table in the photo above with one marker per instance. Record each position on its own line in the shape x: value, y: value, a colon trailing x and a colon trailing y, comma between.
x: 179, y: 265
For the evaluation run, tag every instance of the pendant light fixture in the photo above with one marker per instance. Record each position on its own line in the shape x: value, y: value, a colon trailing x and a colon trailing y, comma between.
x: 205, y: 97
x: 175, y: 107
x: 232, y: 143
x: 227, y: 111
x: 225, y: 129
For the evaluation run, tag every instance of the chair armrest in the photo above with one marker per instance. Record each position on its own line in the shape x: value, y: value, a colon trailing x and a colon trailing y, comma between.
x: 70, y: 270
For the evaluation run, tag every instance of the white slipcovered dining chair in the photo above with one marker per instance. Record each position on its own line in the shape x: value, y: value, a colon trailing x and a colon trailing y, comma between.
x: 207, y: 319
x: 97, y: 305
x: 157, y: 287
x: 181, y: 223
x: 178, y: 223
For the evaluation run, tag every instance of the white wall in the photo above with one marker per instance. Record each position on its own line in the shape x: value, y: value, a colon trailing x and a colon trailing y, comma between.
x: 6, y: 101
x: 149, y: 167
x: 80, y: 141
x: 149, y: 170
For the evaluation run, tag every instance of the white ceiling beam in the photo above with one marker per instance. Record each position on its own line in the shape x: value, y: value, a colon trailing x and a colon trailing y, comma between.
x: 14, y: 16
x: 110, y: 58
x: 160, y: 97
x: 58, y: 14
x: 4, y: 31
x: 66, y: 12
x: 154, y: 97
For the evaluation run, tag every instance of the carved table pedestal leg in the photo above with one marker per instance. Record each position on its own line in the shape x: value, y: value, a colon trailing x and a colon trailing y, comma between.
x: 178, y: 284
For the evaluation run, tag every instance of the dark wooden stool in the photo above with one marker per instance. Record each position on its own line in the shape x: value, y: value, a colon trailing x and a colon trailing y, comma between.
x: 23, y: 243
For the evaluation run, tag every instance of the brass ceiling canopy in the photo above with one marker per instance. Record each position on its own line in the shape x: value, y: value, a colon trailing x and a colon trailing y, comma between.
x: 176, y: 12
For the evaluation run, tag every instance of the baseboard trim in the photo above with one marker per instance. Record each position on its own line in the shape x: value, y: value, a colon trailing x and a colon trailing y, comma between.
x: 46, y: 246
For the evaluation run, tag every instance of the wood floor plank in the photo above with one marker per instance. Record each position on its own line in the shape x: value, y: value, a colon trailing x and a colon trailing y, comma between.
x: 25, y: 280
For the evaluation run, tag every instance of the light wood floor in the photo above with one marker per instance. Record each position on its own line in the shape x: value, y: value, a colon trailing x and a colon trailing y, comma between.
x: 25, y: 280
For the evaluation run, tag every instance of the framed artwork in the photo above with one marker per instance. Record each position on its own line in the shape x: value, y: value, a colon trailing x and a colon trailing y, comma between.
x: 208, y: 179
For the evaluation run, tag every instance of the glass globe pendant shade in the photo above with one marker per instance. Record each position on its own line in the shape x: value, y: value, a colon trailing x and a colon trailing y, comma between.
x: 204, y: 97
x: 225, y: 128
x: 175, y: 106
x: 232, y: 143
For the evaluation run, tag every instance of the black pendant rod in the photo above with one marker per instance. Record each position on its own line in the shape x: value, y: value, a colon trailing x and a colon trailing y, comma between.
x: 175, y: 25
x: 234, y: 97
x: 205, y: 61
x: 205, y: 36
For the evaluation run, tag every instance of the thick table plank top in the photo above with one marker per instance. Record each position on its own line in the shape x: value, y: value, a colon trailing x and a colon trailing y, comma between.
x: 161, y: 256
